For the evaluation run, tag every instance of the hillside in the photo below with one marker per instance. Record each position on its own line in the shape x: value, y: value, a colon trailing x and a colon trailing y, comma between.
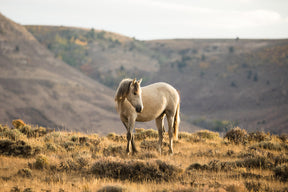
x: 43, y: 90
x: 222, y: 82
x: 240, y: 80
x: 36, y: 159
x: 104, y: 56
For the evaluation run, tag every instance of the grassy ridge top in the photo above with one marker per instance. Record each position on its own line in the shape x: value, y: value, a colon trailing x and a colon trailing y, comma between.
x: 35, y: 159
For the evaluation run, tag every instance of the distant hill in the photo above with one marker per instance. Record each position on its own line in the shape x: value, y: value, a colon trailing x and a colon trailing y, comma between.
x: 223, y: 82
x: 43, y: 90
x: 104, y: 56
x: 240, y: 80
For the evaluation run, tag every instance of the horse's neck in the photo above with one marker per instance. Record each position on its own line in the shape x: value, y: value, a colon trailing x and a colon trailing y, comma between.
x: 125, y: 108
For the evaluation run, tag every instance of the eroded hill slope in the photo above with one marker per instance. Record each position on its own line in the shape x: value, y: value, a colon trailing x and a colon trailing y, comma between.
x: 43, y: 90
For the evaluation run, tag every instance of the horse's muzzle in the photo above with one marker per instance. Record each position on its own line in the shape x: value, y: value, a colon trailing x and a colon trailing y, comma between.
x: 139, y: 109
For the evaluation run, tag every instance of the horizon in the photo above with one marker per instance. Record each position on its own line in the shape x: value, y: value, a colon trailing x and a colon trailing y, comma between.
x: 85, y: 28
x: 159, y: 19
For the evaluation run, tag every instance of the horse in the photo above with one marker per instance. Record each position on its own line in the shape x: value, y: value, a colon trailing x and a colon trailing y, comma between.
x: 142, y: 104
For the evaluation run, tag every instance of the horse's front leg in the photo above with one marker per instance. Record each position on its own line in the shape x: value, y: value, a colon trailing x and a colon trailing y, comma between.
x: 130, y: 138
x: 134, y: 149
x: 129, y: 124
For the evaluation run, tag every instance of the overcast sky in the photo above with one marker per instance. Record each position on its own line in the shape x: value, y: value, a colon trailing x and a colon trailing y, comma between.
x: 159, y: 19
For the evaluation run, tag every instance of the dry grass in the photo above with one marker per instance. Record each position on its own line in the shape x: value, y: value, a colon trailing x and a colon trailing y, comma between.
x: 203, y: 161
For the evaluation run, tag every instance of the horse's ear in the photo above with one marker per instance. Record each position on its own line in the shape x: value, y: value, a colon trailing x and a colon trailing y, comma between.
x: 134, y: 81
x: 139, y: 81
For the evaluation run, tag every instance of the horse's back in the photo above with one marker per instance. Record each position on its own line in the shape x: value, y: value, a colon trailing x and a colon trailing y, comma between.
x: 157, y: 98
x: 161, y: 89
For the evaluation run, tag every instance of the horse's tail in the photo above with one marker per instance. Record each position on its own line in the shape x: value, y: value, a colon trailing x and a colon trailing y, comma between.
x: 177, y: 120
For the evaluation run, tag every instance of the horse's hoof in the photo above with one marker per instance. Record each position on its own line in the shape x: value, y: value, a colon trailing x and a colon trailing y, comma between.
x: 134, y: 151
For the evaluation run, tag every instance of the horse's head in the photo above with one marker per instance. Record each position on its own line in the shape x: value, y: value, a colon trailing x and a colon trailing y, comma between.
x: 134, y: 95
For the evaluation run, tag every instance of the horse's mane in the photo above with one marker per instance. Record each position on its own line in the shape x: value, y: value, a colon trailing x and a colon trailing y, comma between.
x: 123, y: 90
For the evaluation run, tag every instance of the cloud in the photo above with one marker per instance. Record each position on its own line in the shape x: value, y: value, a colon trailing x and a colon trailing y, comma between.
x: 261, y: 17
x: 150, y: 19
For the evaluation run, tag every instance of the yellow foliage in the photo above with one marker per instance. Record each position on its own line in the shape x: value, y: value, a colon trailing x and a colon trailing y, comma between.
x: 79, y: 42
x: 204, y: 65
x: 232, y: 68
x: 18, y: 123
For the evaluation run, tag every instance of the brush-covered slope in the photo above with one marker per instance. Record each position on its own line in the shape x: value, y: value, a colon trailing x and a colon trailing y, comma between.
x: 43, y: 90
x: 104, y: 56
x: 242, y: 81
x: 202, y: 161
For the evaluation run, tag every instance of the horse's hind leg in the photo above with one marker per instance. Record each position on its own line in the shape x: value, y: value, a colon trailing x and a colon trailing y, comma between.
x: 170, y: 120
x: 160, y: 126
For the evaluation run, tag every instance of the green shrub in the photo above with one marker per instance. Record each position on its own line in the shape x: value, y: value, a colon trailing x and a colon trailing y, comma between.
x: 259, y: 136
x: 215, y: 125
x: 184, y: 135
x: 27, y: 190
x: 112, y: 188
x: 42, y: 162
x: 282, y: 158
x: 281, y: 172
x: 113, y: 151
x: 27, y: 130
x: 82, y: 161
x: 26, y: 172
x: 17, y: 148
x: 283, y: 137
x: 269, y: 145
x: 189, y: 137
x: 83, y: 140
x: 214, y: 166
x: 255, y: 162
x: 254, y: 186
x: 3, y: 128
x: 197, y: 166
x: 40, y: 131
x: 142, y: 134
x: 69, y: 165
x: 69, y: 145
x: 13, y: 134
x: 136, y: 171
x: 115, y: 137
x: 237, y: 136
x: 150, y: 144
x: 15, y: 189
x: 205, y: 134
x: 74, y: 138
x: 51, y: 147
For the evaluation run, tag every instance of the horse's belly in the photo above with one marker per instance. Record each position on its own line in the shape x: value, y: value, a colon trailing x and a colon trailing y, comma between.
x: 142, y: 118
x: 149, y: 114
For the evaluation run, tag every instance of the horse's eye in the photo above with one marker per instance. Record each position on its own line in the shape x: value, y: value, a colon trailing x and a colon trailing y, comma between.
x: 135, y: 93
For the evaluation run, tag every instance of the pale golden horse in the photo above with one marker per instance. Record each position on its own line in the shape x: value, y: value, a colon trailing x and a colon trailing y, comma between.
x: 155, y: 101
